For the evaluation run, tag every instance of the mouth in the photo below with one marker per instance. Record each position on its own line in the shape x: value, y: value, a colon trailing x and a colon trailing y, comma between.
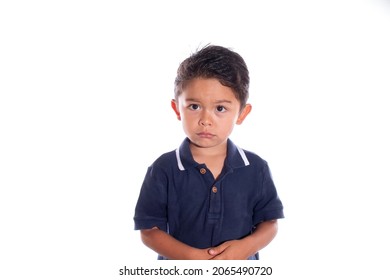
x: 205, y: 135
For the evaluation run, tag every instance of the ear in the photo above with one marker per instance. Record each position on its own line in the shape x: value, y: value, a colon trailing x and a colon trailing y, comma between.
x: 244, y: 112
x: 175, y: 108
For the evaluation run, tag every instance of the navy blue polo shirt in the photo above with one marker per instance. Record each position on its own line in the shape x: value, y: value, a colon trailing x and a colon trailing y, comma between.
x: 181, y: 197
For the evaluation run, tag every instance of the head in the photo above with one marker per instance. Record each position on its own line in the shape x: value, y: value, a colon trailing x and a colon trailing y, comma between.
x: 215, y: 62
x: 211, y: 90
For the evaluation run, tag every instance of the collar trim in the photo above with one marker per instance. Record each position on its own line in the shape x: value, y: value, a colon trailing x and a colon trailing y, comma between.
x: 243, y: 156
x: 182, y: 168
x: 179, y: 163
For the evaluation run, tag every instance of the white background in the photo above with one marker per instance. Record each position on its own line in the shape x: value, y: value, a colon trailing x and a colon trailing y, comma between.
x: 85, y: 90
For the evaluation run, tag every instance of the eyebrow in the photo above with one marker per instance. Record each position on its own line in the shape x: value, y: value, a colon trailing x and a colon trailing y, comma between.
x: 192, y: 99
x: 216, y: 102
x: 223, y: 101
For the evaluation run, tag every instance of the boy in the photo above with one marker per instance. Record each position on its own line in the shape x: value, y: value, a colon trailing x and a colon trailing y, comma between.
x: 209, y: 199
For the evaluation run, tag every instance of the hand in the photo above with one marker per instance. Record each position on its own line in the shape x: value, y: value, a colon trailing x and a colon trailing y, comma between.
x: 243, y: 248
x: 229, y: 250
x: 200, y: 254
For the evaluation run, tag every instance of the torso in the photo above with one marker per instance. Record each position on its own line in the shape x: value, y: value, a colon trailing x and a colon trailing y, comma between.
x: 213, y: 158
x: 215, y: 165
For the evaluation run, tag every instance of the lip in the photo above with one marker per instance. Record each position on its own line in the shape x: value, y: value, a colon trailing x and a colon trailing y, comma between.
x: 205, y: 135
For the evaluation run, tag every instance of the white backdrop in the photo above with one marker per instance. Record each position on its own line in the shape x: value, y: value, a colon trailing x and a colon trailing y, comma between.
x: 85, y: 108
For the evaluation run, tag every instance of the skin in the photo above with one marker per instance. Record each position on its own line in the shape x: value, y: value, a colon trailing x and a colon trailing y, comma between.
x: 209, y: 111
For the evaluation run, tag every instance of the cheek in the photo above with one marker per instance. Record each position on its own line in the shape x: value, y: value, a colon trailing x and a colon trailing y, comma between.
x: 228, y: 125
x: 188, y: 120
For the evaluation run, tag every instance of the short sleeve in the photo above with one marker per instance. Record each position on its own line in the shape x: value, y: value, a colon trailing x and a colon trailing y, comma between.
x: 268, y: 206
x: 151, y: 208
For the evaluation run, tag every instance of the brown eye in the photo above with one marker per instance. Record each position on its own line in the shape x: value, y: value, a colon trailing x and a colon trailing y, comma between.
x: 194, y: 107
x: 221, y: 109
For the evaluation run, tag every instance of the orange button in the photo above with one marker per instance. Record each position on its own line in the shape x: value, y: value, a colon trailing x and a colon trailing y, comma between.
x: 214, y: 189
x: 202, y: 171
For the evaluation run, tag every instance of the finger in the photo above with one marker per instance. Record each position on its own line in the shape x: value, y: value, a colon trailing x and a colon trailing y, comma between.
x: 213, y: 251
x: 218, y: 250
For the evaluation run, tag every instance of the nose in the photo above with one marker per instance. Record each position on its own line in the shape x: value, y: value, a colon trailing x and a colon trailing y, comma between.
x: 205, y: 119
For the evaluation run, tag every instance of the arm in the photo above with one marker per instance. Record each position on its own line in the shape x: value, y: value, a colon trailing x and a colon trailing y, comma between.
x: 171, y: 248
x: 244, y: 248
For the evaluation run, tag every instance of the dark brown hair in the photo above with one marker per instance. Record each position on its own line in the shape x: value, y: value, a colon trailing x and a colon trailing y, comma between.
x: 217, y: 62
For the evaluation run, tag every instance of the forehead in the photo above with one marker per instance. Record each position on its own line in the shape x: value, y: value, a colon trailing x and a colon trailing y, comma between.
x: 207, y: 89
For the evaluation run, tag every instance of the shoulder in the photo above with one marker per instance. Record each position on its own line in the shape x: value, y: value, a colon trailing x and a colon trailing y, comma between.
x: 254, y: 159
x: 257, y: 164
x: 165, y: 160
x: 174, y: 159
x: 160, y: 168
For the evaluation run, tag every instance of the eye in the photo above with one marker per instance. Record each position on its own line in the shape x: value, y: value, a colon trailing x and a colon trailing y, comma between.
x: 221, y: 109
x: 194, y: 107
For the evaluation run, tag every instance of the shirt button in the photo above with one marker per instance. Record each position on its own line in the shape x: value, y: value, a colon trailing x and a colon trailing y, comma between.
x: 214, y: 189
x: 202, y: 171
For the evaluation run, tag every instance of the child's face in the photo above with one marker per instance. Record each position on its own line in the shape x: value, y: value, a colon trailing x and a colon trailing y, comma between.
x: 209, y: 112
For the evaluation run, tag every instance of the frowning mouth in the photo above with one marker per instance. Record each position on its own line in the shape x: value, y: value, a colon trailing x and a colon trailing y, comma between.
x: 205, y: 135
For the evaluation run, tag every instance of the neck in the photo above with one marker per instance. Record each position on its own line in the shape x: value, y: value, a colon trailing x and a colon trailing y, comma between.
x: 209, y: 152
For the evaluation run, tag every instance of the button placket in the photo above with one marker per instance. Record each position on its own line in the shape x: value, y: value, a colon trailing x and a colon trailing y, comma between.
x: 214, y: 193
x: 215, y: 201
